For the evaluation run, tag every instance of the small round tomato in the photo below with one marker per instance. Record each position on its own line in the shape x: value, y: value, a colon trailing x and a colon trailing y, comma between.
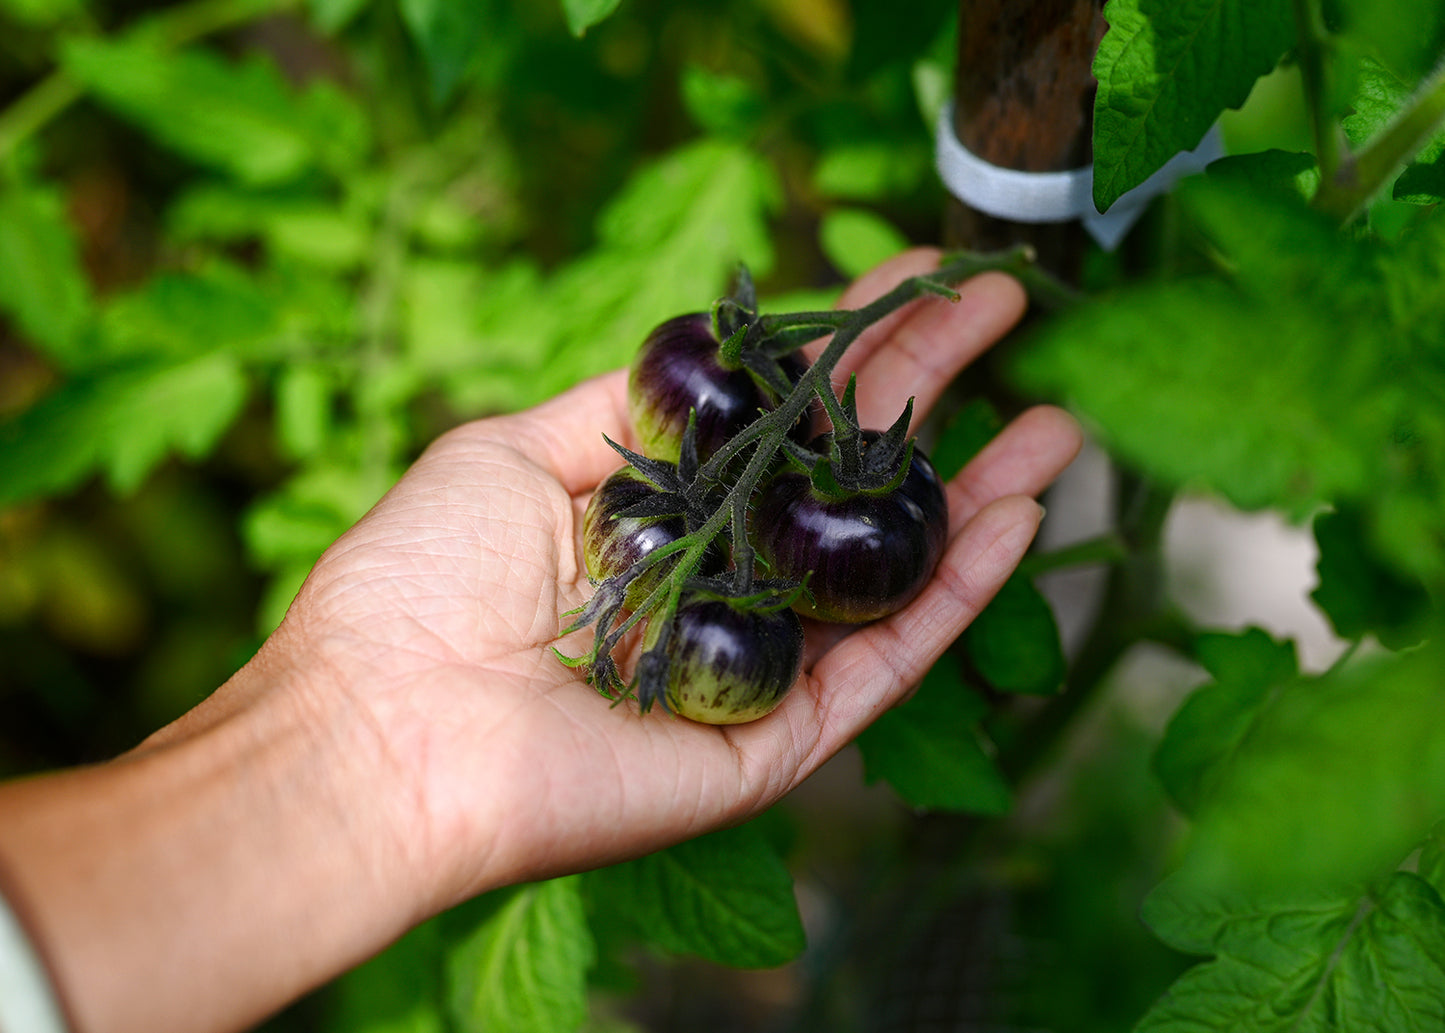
x: 868, y: 553
x: 612, y: 543
x: 728, y: 664
x: 677, y: 370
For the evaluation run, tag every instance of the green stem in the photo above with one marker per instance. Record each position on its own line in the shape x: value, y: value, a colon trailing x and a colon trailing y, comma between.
x: 174, y: 28
x: 768, y: 431
x: 1313, y: 44
x: 1133, y: 608
x: 1363, y: 175
x: 1106, y: 548
x: 35, y: 109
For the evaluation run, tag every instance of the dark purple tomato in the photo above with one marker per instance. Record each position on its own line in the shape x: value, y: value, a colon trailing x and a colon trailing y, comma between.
x: 869, y: 553
x: 677, y: 370
x: 612, y: 543
x: 730, y: 665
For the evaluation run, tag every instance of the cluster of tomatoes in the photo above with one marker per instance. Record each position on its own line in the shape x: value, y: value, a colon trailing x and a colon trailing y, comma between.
x: 843, y: 526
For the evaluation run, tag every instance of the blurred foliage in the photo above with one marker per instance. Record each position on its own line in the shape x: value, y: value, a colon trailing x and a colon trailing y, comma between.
x: 255, y: 254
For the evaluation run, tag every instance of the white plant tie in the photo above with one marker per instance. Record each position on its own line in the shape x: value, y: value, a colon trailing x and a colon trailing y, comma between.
x: 1057, y: 196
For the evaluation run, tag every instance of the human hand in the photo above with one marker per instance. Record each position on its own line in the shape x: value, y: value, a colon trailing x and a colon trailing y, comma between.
x: 432, y: 620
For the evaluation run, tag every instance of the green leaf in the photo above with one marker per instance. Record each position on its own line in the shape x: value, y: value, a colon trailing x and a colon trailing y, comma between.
x: 524, y: 969
x: 42, y: 284
x: 1304, y: 963
x: 870, y: 170
x: 1290, y: 173
x: 239, y: 118
x: 122, y: 422
x: 674, y: 233
x: 398, y: 991
x: 1422, y: 182
x: 306, y: 229
x: 1335, y: 780
x: 1379, y: 96
x: 855, y: 240
x: 725, y: 105
x: 296, y: 524
x: 1165, y: 73
x: 303, y: 409
x: 725, y: 896
x: 1169, y: 370
x: 583, y: 14
x: 1358, y: 592
x: 1014, y: 643
x: 42, y: 12
x: 931, y: 750
x: 971, y: 426
x: 1213, y: 721
x: 1431, y: 863
x: 1404, y: 35
x: 448, y: 33
x: 331, y: 16
x: 178, y: 315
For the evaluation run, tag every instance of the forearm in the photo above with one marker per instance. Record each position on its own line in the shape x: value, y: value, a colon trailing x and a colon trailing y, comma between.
x: 213, y: 875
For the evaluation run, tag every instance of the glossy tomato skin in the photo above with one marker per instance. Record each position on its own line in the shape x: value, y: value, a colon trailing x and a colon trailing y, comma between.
x: 677, y: 370
x: 727, y: 665
x: 869, y: 554
x: 612, y: 543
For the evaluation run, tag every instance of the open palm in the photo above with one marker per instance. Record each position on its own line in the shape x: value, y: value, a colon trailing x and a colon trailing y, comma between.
x: 436, y: 612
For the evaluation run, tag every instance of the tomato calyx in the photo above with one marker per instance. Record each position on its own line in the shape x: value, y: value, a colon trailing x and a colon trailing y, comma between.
x: 720, y: 401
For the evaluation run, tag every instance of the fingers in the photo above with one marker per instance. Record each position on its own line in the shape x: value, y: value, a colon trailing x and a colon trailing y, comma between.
x: 927, y: 349
x: 1023, y: 459
x: 916, y: 351
x: 992, y: 520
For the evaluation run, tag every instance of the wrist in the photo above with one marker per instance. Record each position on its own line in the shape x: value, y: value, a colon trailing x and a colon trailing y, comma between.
x: 239, y: 858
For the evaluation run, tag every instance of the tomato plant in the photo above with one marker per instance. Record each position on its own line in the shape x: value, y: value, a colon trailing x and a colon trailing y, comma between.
x: 255, y: 253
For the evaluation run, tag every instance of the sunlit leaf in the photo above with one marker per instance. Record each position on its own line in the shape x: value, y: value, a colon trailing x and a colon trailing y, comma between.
x: 239, y: 117
x: 1404, y: 35
x: 583, y: 14
x: 303, y: 409
x: 524, y: 969
x: 725, y: 896
x: 1165, y: 73
x: 1304, y: 962
x: 42, y: 284
x: 1380, y: 95
x: 122, y: 423
x: 855, y: 240
x: 398, y: 991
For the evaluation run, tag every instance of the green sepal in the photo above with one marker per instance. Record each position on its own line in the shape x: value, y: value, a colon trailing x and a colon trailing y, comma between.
x: 662, y: 474
x: 730, y: 346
